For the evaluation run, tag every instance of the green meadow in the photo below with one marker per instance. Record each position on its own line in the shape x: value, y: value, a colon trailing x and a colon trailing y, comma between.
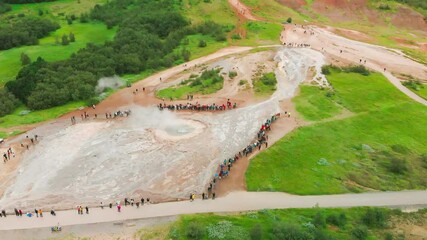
x: 380, y: 146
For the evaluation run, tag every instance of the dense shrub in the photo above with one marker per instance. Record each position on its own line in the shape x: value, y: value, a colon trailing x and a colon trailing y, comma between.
x: 256, y: 232
x: 194, y: 231
x: 269, y: 79
x: 232, y: 74
x: 413, y: 84
x: 319, y: 220
x: 359, y: 233
x: 338, y: 220
x: 397, y: 165
x: 4, y: 7
x: 357, y: 69
x: 374, y: 217
x: 202, y: 43
x: 384, y: 7
x: 283, y: 231
x: 8, y: 102
x: 326, y: 69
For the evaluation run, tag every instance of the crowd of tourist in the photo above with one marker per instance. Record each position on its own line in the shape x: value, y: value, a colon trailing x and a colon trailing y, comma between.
x: 225, y: 166
x: 198, y: 107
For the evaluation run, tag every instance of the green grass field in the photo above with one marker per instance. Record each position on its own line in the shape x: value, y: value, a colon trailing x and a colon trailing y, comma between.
x: 266, y: 224
x: 51, y: 51
x: 315, y: 104
x: 352, y: 154
x: 215, y: 10
x: 17, y: 119
x: 260, y: 33
x: 196, y: 51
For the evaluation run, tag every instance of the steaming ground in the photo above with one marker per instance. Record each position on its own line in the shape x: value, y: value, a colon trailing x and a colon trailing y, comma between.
x: 152, y: 153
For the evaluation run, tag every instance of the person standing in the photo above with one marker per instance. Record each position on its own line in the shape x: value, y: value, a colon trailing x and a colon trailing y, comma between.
x: 213, y: 196
x: 40, y: 213
x: 36, y: 212
x: 87, y: 210
x: 102, y: 205
x: 119, y: 207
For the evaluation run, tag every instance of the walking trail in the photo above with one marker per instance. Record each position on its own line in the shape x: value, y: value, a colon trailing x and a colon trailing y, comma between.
x: 234, y: 202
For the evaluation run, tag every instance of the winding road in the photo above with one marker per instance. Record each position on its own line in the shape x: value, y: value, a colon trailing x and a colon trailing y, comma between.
x: 234, y: 202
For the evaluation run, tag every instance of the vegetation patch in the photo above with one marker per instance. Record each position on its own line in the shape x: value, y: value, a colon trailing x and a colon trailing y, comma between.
x: 352, y: 154
x: 210, y: 81
x: 353, y: 223
x: 264, y: 84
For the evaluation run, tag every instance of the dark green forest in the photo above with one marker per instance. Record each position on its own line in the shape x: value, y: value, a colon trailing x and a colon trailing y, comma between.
x: 148, y: 32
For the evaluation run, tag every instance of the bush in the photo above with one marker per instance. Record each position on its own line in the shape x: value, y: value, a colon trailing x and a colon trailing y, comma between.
x: 388, y: 236
x: 269, y: 79
x: 232, y: 74
x: 338, y: 220
x: 202, y: 43
x: 236, y: 36
x: 375, y: 217
x: 289, y: 20
x: 413, y: 84
x: 194, y: 231
x: 326, y: 69
x: 359, y: 233
x: 256, y: 232
x: 358, y: 69
x: 4, y: 7
x: 285, y: 231
x: 384, y: 7
x: 8, y: 102
x: 319, y: 220
x: 397, y: 165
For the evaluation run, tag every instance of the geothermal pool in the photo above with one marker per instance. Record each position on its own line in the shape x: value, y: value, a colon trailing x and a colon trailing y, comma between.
x: 151, y: 153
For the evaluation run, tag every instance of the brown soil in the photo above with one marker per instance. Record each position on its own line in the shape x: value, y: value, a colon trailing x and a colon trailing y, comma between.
x: 236, y: 179
x: 408, y: 18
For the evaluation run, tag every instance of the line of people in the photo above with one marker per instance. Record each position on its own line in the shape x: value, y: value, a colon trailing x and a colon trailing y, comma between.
x: 225, y: 167
x: 198, y: 106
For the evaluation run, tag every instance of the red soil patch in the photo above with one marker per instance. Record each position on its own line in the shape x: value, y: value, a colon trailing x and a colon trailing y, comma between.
x: 407, y: 18
x: 351, y: 34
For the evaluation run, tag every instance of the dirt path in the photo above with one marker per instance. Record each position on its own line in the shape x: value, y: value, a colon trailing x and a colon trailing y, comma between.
x: 338, y: 49
x: 233, y: 202
x: 242, y: 10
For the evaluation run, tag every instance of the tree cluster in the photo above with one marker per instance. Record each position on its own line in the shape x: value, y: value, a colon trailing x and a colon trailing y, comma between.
x: 25, y: 32
x: 8, y: 102
x: 148, y: 34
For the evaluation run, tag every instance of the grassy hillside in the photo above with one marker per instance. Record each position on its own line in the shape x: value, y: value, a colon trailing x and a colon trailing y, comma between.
x: 381, y: 146
x: 398, y: 26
